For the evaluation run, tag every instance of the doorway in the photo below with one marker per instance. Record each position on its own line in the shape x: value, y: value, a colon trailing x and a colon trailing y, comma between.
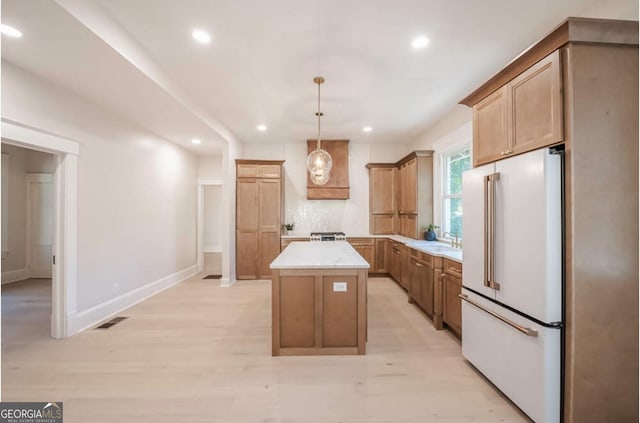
x: 62, y: 251
x: 209, y: 248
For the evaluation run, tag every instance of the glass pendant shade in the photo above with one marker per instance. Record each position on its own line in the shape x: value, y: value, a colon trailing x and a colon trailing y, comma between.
x: 319, y: 164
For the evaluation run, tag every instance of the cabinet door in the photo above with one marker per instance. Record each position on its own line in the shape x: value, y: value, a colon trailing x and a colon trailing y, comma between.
x: 415, y: 285
x: 490, y: 128
x: 404, y: 266
x: 383, y: 224
x: 426, y: 291
x: 383, y: 188
x: 399, y: 189
x: 536, y: 106
x: 269, y: 247
x: 269, y: 205
x: 394, y: 262
x: 451, y: 307
x: 380, y: 260
x: 247, y: 205
x: 411, y: 186
x: 246, y: 254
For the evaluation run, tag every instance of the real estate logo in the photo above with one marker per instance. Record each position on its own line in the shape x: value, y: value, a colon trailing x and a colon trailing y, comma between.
x: 30, y: 412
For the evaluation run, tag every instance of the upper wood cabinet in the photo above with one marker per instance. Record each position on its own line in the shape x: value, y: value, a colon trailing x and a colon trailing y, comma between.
x: 490, y: 128
x: 401, y: 195
x: 258, y: 217
x: 523, y: 115
x: 382, y: 198
x: 338, y: 186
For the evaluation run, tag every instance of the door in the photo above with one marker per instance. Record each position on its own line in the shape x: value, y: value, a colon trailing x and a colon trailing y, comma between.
x: 473, y: 223
x: 528, y: 234
x: 40, y: 221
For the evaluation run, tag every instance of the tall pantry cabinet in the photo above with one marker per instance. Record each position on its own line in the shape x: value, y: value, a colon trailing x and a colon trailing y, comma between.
x: 259, y: 203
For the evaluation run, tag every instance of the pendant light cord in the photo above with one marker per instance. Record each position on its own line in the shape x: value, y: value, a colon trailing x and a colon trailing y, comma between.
x: 319, y: 115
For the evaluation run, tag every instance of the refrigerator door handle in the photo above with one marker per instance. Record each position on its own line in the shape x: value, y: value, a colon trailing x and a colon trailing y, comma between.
x: 490, y: 230
x: 527, y: 331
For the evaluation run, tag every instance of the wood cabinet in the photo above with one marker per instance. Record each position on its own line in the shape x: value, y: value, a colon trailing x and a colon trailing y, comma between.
x: 404, y: 266
x: 421, y: 286
x: 365, y: 247
x: 415, y: 206
x: 258, y: 217
x: 393, y: 260
x: 381, y: 254
x: 382, y: 198
x: 522, y: 115
x: 451, y: 289
x: 338, y: 186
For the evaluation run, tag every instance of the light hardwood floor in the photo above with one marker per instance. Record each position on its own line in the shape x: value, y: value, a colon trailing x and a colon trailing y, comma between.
x: 201, y: 353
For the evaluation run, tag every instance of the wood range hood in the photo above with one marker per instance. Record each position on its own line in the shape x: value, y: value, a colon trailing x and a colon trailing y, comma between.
x: 338, y: 186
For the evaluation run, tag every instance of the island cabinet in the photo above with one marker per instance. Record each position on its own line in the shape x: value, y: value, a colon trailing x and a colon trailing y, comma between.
x: 524, y: 114
x: 382, y: 198
x: 451, y: 290
x: 259, y: 204
x: 365, y: 247
x: 319, y: 300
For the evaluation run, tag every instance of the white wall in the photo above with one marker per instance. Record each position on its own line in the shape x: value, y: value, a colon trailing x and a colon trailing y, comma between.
x: 136, y: 195
x: 212, y: 218
x: 210, y: 166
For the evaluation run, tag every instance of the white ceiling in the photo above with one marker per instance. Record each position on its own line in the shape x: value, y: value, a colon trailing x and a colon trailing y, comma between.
x: 263, y: 56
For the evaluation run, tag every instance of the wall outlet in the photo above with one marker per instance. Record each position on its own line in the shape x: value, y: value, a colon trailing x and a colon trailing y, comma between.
x: 339, y: 287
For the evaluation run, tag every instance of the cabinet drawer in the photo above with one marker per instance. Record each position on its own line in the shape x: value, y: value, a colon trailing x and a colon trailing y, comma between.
x: 452, y: 267
x: 426, y: 259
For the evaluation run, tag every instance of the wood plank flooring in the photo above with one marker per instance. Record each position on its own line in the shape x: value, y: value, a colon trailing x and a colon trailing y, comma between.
x: 201, y: 353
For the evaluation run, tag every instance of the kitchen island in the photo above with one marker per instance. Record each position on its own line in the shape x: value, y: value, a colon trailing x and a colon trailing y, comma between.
x: 319, y: 300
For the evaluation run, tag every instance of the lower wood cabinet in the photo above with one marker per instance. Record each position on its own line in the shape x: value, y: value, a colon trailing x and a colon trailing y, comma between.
x: 380, y: 250
x: 421, y: 286
x: 451, y: 289
x: 393, y: 260
x: 365, y: 246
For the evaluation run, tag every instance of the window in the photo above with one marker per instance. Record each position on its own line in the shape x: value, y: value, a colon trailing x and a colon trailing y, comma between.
x: 453, y: 165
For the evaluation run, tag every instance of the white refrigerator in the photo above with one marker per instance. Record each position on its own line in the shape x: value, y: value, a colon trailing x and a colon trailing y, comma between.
x: 512, y: 308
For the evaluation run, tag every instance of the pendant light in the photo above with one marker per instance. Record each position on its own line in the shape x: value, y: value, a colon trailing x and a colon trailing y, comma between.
x: 319, y: 162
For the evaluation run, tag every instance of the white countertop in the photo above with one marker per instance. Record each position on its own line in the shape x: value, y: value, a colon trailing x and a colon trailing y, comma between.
x: 435, y: 248
x: 319, y: 255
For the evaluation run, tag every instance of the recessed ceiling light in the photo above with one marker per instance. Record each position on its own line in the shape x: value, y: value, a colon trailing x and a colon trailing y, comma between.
x: 261, y: 128
x: 367, y: 129
x: 420, y: 42
x: 10, y: 31
x: 201, y: 36
x: 196, y: 141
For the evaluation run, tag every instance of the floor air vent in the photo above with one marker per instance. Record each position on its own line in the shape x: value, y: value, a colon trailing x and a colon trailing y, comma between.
x: 213, y: 277
x: 111, y: 322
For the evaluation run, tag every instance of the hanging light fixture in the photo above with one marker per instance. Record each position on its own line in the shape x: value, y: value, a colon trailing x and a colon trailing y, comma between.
x: 319, y: 162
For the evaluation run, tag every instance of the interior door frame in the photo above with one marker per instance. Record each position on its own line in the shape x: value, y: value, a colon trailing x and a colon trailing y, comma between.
x: 202, y: 182
x: 31, y: 179
x: 65, y: 238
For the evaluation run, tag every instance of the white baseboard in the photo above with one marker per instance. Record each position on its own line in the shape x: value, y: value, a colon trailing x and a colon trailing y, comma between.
x: 79, y: 321
x: 225, y: 282
x: 14, y: 275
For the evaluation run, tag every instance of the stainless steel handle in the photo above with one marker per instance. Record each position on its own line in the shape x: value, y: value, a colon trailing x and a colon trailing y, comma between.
x: 527, y: 331
x: 490, y: 230
x: 453, y: 269
x: 418, y: 264
x: 396, y: 251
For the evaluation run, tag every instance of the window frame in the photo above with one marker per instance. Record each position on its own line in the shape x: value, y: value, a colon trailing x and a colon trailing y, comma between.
x: 444, y: 188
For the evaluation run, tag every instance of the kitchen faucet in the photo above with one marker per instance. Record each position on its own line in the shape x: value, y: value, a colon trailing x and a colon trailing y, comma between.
x: 454, y: 242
